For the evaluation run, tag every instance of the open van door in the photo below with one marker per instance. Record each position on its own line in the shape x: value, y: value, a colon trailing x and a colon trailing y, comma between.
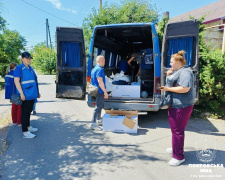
x: 182, y: 36
x: 71, y: 63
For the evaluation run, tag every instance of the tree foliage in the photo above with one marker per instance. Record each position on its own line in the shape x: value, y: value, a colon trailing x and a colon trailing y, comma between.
x: 2, y: 23
x: 130, y: 11
x: 212, y: 80
x: 44, y: 58
x: 160, y: 29
x: 11, y: 44
x: 211, y: 76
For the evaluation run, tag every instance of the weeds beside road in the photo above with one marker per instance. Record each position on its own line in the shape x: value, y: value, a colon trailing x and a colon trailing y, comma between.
x: 5, y: 120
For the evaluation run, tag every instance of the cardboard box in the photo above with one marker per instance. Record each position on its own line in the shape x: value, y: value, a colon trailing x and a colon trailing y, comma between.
x: 132, y: 90
x: 120, y: 121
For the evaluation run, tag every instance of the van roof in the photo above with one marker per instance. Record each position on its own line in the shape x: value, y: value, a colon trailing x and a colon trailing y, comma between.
x: 125, y: 24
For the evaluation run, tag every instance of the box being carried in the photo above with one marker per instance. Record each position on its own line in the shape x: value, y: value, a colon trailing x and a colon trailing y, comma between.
x: 120, y: 121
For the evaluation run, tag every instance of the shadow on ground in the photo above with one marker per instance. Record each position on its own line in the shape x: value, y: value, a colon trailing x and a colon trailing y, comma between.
x: 64, y: 150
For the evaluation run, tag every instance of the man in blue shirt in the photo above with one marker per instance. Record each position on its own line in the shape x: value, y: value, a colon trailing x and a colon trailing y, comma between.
x: 98, y: 80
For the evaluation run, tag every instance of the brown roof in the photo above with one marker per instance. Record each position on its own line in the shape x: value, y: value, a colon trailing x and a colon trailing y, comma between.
x: 212, y: 11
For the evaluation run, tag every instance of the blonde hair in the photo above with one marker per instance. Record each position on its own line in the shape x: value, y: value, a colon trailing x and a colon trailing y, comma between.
x: 11, y: 66
x: 179, y: 57
x: 99, y: 58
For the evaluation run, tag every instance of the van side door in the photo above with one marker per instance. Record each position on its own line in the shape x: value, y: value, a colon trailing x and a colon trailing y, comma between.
x: 71, y: 63
x: 182, y: 36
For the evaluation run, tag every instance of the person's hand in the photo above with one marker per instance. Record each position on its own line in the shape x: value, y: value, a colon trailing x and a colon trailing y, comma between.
x: 164, y: 88
x: 169, y: 72
x: 39, y: 95
x: 22, y: 97
x: 106, y: 95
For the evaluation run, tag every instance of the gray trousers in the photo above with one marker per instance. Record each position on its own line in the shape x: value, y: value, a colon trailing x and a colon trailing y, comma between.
x: 99, y: 106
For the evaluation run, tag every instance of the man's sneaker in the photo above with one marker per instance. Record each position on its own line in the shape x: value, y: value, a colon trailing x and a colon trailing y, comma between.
x: 34, y: 112
x: 28, y: 135
x: 32, y: 129
x: 19, y: 124
x: 175, y: 162
x: 169, y: 150
x: 99, y: 122
x: 94, y: 126
x: 14, y: 124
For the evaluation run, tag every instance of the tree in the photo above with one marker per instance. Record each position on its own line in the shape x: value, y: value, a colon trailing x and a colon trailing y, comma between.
x: 130, y: 11
x: 11, y: 44
x: 2, y: 23
x: 44, y: 58
x: 160, y: 29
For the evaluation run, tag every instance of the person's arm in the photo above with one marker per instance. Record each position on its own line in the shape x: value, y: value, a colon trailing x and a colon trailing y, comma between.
x: 178, y: 89
x: 19, y: 88
x: 102, y: 86
x: 138, y: 71
x: 129, y: 61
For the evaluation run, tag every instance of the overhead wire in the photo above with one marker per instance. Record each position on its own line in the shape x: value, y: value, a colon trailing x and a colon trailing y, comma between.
x: 48, y: 13
x: 57, y: 16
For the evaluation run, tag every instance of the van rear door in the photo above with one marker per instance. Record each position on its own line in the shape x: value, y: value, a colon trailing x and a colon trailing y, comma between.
x: 71, y: 63
x: 182, y: 36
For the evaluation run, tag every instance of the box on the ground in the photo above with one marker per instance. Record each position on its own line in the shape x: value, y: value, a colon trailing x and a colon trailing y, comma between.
x: 130, y: 91
x: 120, y: 121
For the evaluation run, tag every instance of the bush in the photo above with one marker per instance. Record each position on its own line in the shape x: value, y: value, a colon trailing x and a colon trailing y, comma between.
x: 212, y: 81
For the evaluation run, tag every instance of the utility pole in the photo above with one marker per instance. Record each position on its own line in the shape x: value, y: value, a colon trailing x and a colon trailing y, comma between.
x: 100, y: 3
x: 47, y: 32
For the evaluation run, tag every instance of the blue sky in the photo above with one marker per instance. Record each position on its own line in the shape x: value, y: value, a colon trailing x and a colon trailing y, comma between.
x: 29, y: 16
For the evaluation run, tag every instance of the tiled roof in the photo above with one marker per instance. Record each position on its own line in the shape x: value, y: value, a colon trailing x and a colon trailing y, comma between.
x: 212, y: 11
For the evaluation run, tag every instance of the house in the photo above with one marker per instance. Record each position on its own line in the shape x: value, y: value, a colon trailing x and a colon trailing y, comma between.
x: 214, y: 22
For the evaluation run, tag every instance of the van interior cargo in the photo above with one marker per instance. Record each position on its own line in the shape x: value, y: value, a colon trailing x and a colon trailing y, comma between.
x: 119, y: 44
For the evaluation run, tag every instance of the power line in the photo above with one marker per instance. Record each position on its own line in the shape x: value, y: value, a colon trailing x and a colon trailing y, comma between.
x: 48, y: 13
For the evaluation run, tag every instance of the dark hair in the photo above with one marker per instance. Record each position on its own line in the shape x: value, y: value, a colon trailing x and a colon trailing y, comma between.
x: 179, y: 57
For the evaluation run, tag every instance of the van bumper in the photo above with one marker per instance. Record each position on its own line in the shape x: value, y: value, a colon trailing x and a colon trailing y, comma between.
x: 128, y: 106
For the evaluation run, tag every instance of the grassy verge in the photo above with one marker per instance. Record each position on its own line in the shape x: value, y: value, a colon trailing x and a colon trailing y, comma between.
x: 2, y: 83
x: 4, y: 126
x: 5, y: 121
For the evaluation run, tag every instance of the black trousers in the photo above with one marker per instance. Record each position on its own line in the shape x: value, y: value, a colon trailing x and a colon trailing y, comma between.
x: 26, y: 110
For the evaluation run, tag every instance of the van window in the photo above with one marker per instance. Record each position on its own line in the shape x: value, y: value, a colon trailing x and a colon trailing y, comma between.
x: 118, y: 58
x: 186, y: 44
x: 98, y: 51
x: 112, y: 59
x: 71, y: 54
x: 107, y: 58
x: 72, y: 78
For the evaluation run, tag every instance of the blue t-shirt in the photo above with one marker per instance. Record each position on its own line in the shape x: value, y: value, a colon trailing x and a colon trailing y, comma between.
x: 96, y: 72
x: 124, y: 66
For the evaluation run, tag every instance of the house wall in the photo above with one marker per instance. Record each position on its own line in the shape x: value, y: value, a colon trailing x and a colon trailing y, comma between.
x: 213, y: 36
